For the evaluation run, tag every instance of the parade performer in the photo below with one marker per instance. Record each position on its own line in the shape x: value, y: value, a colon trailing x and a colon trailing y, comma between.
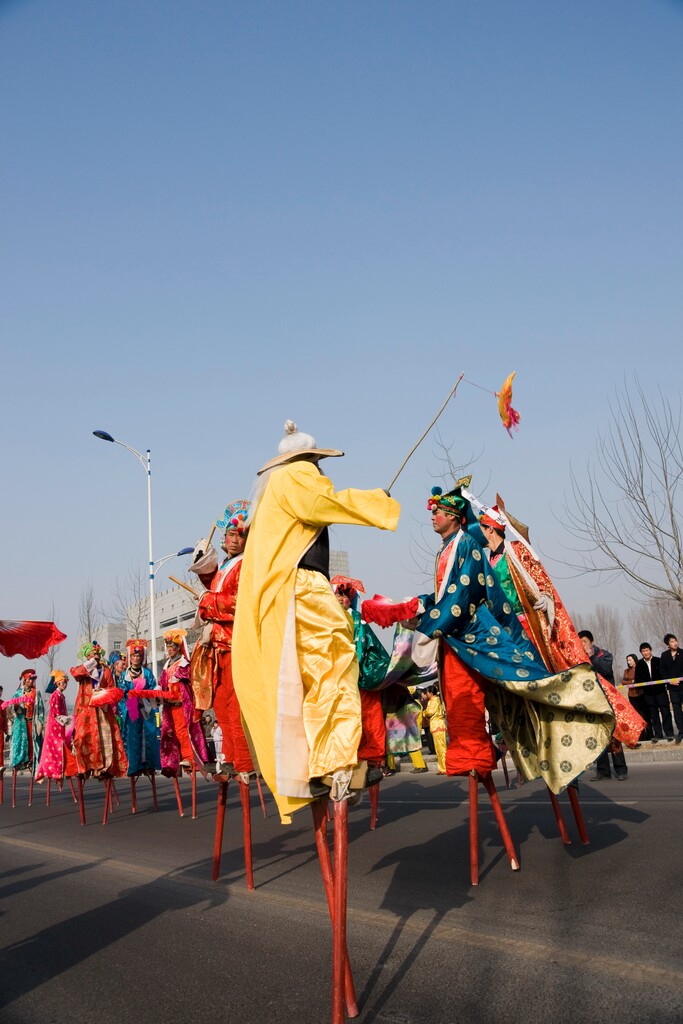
x: 373, y: 662
x: 217, y: 610
x: 542, y: 613
x: 554, y: 725
x: 294, y: 660
x: 435, y: 715
x: 182, y: 739
x: 56, y: 760
x: 27, y: 726
x: 138, y: 714
x: 98, y: 745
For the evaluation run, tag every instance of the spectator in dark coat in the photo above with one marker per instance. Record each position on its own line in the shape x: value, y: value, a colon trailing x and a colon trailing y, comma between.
x: 671, y: 664
x: 601, y: 660
x: 656, y: 697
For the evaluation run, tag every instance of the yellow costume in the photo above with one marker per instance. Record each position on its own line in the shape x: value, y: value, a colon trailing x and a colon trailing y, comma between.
x: 294, y: 661
x: 434, y: 713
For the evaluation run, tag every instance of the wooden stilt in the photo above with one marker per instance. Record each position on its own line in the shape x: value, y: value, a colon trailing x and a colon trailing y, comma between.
x: 153, y: 780
x: 220, y: 822
x: 73, y: 791
x: 558, y: 818
x: 14, y: 788
x: 578, y: 814
x: 490, y: 787
x: 474, y: 828
x: 133, y: 800
x: 246, y: 825
x: 373, y: 793
x: 320, y: 809
x: 2, y: 788
x: 339, y: 952
x: 30, y: 790
x: 81, y: 801
x: 260, y: 796
x: 47, y: 793
x: 107, y: 800
x: 176, y: 786
x: 113, y: 795
x: 194, y: 790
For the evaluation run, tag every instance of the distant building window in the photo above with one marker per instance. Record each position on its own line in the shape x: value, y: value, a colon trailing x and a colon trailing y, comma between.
x: 117, y: 645
x: 169, y: 622
x: 187, y: 616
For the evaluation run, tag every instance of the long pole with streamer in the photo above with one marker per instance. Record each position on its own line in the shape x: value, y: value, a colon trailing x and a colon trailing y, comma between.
x: 421, y: 439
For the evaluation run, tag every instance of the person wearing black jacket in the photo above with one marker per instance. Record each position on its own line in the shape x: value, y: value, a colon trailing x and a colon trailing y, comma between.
x: 656, y: 697
x: 601, y: 661
x: 671, y: 664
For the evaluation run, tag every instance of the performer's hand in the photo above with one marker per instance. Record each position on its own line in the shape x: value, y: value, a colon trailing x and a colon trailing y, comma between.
x: 411, y: 623
x: 542, y: 604
x: 200, y: 549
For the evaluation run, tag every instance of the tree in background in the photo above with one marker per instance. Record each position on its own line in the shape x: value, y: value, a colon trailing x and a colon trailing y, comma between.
x: 89, y: 614
x: 606, y: 625
x: 625, y: 508
x: 650, y: 621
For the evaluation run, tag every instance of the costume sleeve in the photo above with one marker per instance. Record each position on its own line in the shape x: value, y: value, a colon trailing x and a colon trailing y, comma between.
x: 80, y: 674
x: 465, y: 591
x: 220, y: 607
x: 310, y: 497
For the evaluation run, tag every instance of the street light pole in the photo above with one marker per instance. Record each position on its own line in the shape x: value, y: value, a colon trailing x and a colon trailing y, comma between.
x: 145, y: 462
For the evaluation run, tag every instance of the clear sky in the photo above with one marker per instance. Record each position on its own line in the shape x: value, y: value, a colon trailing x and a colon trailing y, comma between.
x: 217, y: 215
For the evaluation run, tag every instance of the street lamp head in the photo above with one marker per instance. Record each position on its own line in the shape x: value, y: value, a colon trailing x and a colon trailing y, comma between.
x: 185, y: 551
x: 103, y: 435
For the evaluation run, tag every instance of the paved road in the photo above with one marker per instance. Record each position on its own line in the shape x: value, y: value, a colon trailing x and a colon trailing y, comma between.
x: 109, y: 924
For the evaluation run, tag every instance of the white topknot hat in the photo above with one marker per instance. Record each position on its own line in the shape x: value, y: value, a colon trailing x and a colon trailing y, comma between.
x: 294, y: 444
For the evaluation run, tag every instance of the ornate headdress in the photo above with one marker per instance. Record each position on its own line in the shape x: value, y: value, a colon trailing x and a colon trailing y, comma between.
x: 57, y: 677
x: 136, y: 646
x: 177, y: 636
x: 347, y: 585
x: 87, y: 650
x: 28, y: 672
x: 294, y: 444
x: 494, y: 518
x: 236, y: 516
x: 453, y: 501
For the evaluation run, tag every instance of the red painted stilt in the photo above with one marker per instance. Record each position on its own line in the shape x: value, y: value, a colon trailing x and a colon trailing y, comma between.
x: 153, y: 780
x: 14, y: 787
x: 373, y: 793
x: 246, y: 824
x: 73, y: 791
x: 558, y: 817
x: 113, y: 795
x: 339, y: 952
x: 30, y: 790
x: 176, y: 786
x: 47, y: 793
x: 194, y: 790
x: 108, y: 804
x: 2, y: 788
x: 260, y: 796
x: 320, y: 809
x: 133, y: 800
x: 490, y: 787
x: 578, y: 814
x: 220, y: 822
x: 81, y: 802
x: 474, y: 828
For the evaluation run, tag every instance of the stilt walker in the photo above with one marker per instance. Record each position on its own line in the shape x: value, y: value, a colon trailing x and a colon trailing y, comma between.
x: 294, y: 661
x: 211, y: 668
x: 56, y: 760
x: 138, y: 719
x: 183, y: 747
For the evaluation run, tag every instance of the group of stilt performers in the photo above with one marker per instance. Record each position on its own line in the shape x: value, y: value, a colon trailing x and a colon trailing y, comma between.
x: 306, y: 695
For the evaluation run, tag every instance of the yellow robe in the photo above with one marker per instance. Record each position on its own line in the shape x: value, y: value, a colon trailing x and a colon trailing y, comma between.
x: 266, y: 659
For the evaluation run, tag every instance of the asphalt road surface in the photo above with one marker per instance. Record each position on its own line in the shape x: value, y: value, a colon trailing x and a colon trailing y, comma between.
x: 120, y: 924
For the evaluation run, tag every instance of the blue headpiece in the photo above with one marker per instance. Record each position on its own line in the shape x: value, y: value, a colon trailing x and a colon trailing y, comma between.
x: 236, y: 516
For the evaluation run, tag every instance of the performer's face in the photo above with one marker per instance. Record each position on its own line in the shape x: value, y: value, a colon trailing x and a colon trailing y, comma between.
x: 344, y: 599
x: 443, y: 523
x: 62, y: 685
x: 29, y: 683
x: 492, y: 538
x: 135, y: 660
x: 171, y: 649
x: 234, y: 543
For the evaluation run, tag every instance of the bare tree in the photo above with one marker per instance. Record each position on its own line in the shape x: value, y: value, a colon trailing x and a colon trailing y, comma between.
x: 650, y: 621
x: 89, y: 614
x: 607, y: 627
x: 130, y: 605
x: 626, y: 509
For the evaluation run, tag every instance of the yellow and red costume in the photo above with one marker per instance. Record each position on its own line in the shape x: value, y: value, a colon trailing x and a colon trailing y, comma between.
x: 294, y: 660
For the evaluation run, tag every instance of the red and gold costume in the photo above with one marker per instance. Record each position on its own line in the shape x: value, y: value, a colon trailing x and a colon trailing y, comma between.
x: 98, y: 746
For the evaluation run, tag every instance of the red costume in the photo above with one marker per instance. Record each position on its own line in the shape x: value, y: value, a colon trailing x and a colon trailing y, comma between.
x: 98, y: 745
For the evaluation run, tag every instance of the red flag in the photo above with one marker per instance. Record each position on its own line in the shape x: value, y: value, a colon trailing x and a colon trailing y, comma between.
x: 30, y: 639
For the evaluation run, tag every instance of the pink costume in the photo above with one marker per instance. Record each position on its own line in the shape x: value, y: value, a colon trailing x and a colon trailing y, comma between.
x: 56, y: 759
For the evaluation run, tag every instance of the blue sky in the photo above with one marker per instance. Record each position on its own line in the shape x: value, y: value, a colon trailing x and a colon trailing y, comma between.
x: 215, y: 216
